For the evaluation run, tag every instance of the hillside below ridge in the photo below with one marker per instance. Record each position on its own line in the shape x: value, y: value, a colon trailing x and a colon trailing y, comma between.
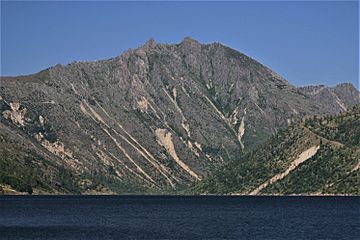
x: 319, y: 155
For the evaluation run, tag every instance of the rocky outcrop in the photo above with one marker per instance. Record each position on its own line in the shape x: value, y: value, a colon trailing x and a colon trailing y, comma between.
x: 333, y: 99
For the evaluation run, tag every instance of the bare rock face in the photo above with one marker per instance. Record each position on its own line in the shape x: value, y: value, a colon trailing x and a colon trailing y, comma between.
x: 334, y: 99
x: 158, y: 116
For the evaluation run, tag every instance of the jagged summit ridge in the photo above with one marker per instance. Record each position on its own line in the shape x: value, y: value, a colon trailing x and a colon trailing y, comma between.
x: 151, y: 43
x: 190, y: 41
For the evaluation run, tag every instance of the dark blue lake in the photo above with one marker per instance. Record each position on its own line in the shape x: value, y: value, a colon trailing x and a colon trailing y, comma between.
x: 174, y: 217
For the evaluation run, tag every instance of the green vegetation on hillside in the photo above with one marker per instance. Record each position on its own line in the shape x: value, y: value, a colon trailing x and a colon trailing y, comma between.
x: 332, y: 170
x: 24, y: 171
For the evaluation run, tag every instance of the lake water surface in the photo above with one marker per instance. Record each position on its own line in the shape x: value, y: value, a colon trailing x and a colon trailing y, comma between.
x: 178, y: 217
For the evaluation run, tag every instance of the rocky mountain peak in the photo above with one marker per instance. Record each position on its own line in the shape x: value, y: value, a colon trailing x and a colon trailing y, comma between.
x: 334, y: 99
x: 151, y: 43
x: 190, y: 44
x: 348, y: 86
x: 189, y: 40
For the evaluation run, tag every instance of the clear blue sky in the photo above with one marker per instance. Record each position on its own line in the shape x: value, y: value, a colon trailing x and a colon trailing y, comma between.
x: 306, y: 42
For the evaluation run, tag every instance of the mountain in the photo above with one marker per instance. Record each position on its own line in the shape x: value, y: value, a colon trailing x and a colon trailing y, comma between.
x: 153, y: 119
x: 319, y: 155
x: 342, y: 95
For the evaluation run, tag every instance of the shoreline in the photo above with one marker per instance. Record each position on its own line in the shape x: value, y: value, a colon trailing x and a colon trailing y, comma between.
x: 181, y: 195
